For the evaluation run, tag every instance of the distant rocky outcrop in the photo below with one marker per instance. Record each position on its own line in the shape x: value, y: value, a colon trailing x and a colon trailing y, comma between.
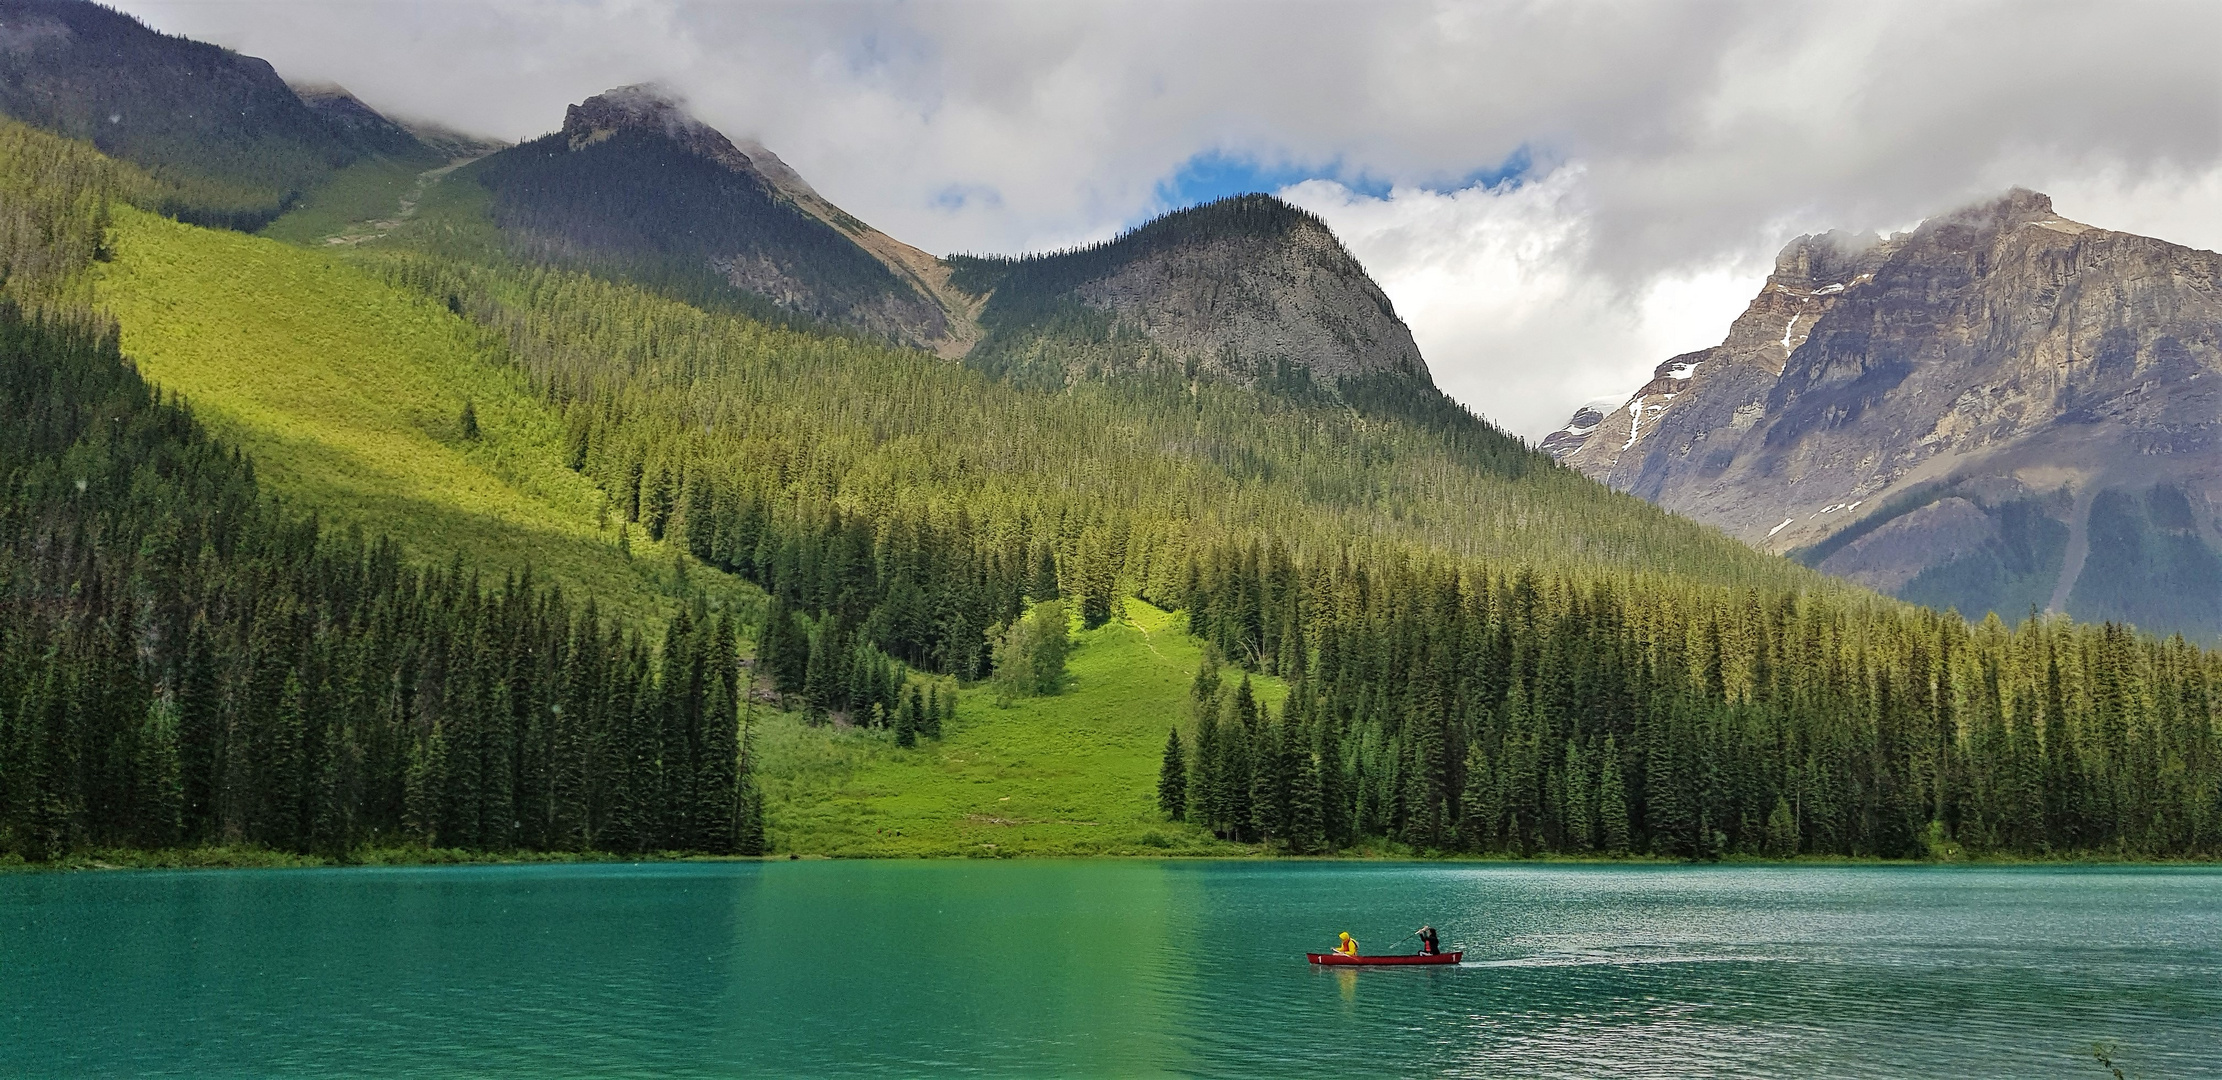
x: 1563, y: 442
x: 1247, y: 287
x: 1998, y: 411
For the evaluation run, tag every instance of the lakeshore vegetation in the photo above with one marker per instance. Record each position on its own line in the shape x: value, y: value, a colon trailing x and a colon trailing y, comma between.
x: 1308, y: 619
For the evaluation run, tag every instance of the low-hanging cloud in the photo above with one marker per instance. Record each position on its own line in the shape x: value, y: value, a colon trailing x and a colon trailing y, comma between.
x: 1674, y: 147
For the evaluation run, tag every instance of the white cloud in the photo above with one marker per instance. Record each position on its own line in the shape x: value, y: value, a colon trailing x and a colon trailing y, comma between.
x: 1681, y: 144
x: 1496, y: 286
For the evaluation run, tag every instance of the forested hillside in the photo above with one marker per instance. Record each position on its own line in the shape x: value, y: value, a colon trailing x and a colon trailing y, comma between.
x: 351, y: 395
x: 1482, y: 650
x: 1490, y: 654
x: 184, y: 661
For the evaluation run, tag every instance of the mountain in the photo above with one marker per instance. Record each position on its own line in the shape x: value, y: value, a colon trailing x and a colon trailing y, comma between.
x: 1439, y: 639
x: 635, y: 187
x: 234, y: 145
x: 1563, y: 442
x: 2002, y: 409
x: 344, y: 113
x: 632, y: 185
x: 1244, y: 287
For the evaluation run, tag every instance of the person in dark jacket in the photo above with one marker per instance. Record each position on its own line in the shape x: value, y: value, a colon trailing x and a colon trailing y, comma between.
x: 1429, y: 945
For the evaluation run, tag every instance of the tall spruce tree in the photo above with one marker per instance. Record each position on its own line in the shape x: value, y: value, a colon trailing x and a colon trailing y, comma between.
x: 1612, y: 801
x: 1335, y: 809
x: 1172, y: 779
x: 906, y: 721
x: 1305, y: 832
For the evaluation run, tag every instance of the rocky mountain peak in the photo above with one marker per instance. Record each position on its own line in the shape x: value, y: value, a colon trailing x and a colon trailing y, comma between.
x: 635, y: 184
x: 2016, y: 207
x: 657, y: 109
x: 652, y: 109
x: 1245, y: 287
x: 1818, y: 261
x: 2002, y: 409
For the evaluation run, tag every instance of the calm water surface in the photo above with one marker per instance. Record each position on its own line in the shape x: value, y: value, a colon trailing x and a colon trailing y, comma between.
x: 1108, y: 968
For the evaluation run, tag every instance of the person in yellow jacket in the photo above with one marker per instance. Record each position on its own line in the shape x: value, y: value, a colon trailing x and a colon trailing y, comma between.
x: 1349, y: 945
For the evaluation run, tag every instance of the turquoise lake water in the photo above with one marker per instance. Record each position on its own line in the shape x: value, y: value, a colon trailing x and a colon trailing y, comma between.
x: 1108, y: 968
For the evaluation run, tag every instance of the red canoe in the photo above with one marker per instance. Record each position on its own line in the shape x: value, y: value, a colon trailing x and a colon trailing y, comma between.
x: 1337, y: 959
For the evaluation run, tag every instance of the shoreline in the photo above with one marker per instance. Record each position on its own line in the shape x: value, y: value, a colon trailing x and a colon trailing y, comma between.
x: 263, y: 859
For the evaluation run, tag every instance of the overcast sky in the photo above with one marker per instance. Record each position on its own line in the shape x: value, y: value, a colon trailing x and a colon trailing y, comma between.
x: 1557, y: 196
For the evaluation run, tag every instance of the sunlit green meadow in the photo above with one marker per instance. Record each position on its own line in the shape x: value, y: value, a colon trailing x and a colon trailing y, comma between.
x: 1071, y: 774
x: 349, y: 393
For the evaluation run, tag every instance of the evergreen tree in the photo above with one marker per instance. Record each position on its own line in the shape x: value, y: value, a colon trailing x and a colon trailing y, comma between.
x: 782, y: 650
x: 1612, y: 801
x: 1576, y: 816
x: 1206, y: 802
x: 1172, y: 779
x: 1271, y: 777
x: 1305, y: 830
x: 825, y: 675
x: 1782, y: 830
x: 938, y: 709
x: 1425, y: 813
x: 656, y: 503
x: 1044, y: 584
x: 906, y: 721
x: 1335, y: 809
x: 1477, y: 803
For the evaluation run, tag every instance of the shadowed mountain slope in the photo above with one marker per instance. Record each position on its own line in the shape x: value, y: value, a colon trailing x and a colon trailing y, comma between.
x: 232, y: 143
x: 634, y: 187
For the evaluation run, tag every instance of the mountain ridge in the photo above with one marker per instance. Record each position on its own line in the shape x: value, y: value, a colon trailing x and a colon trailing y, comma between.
x: 1956, y: 414
x: 1271, y: 286
x: 234, y: 145
x: 1238, y: 288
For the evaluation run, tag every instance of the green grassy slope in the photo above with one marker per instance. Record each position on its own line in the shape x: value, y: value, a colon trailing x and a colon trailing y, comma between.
x: 1074, y: 774
x: 357, y: 200
x: 348, y: 393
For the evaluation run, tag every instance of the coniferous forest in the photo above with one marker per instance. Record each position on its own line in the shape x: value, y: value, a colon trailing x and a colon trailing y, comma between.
x: 1484, y: 652
x: 1523, y: 713
x: 1505, y: 696
x: 183, y: 661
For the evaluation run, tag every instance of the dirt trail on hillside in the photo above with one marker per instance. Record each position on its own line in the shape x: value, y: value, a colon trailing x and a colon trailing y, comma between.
x: 372, y: 230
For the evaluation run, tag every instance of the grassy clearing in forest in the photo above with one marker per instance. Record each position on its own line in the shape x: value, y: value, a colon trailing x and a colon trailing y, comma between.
x: 1073, y: 774
x: 371, y: 190
x: 349, y: 394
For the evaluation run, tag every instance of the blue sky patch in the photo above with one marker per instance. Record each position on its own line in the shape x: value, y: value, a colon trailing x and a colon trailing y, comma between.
x: 1215, y: 174
x: 957, y: 197
x: 1515, y: 168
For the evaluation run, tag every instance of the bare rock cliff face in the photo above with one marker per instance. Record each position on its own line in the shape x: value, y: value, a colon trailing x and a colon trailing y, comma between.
x: 1721, y: 387
x: 2001, y: 410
